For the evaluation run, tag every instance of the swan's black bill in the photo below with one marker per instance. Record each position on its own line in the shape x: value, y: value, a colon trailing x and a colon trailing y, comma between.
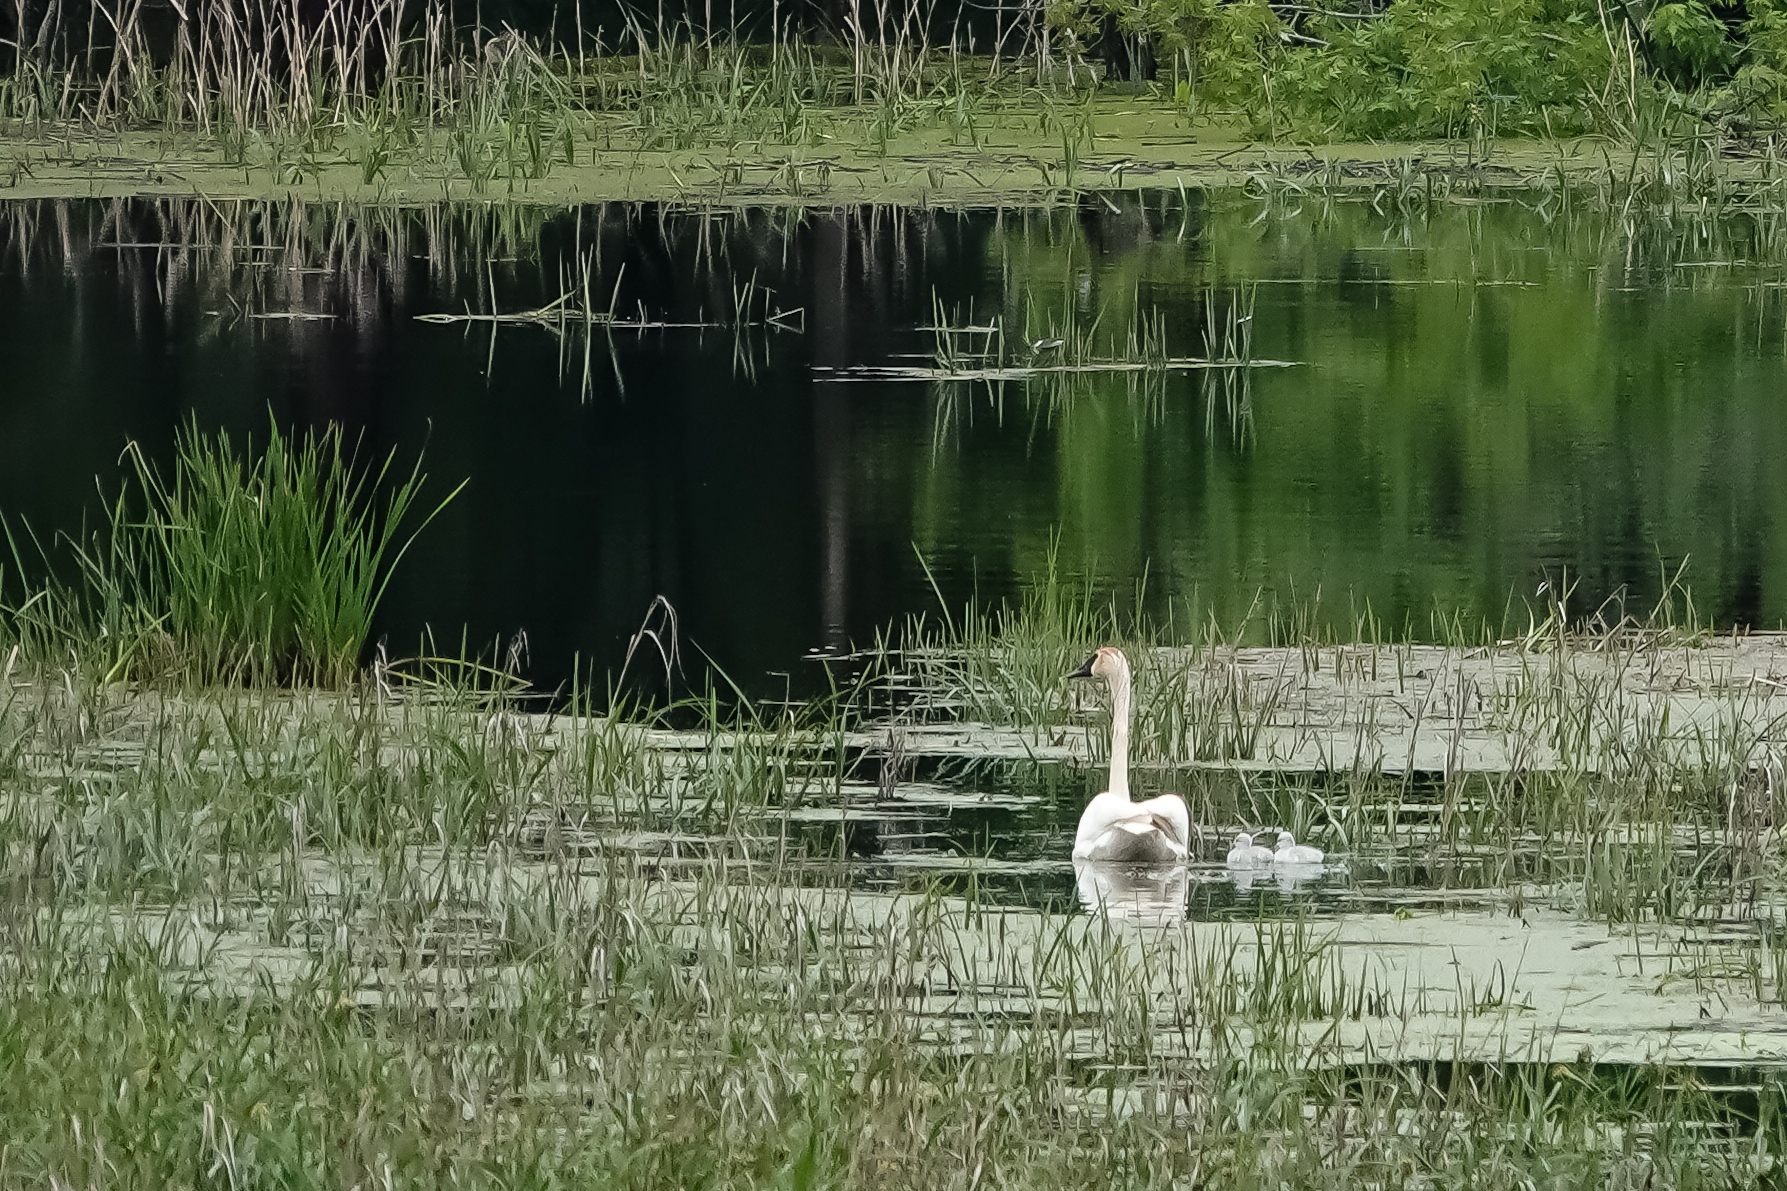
x: 1086, y: 670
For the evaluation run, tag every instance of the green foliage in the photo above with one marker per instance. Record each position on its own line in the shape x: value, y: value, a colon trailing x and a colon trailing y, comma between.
x: 1237, y: 44
x: 1211, y: 50
x: 1439, y: 68
x: 253, y: 570
x: 1760, y: 80
x: 1688, y: 42
x: 1418, y: 68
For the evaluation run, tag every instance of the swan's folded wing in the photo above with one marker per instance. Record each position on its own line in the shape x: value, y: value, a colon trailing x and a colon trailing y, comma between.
x: 1159, y: 824
x: 1108, y: 820
x: 1148, y: 822
x: 1169, y: 814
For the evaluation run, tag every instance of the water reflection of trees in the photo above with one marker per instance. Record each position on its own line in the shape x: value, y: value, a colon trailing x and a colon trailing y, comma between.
x: 1493, y: 389
x: 1490, y: 388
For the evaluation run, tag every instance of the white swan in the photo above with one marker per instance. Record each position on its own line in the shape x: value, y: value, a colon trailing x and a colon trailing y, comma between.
x: 1289, y: 851
x: 1112, y: 827
x: 1247, y: 854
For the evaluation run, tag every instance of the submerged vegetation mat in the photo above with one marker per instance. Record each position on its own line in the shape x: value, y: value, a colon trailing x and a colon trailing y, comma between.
x: 418, y: 930
x: 413, y: 933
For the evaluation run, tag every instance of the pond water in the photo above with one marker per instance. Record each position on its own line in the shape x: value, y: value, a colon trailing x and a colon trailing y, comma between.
x: 1484, y: 395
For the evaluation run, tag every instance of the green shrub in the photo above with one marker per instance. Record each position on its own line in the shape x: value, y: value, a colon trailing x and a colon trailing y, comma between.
x: 1688, y: 42
x: 1760, y: 81
x: 1420, y: 68
x: 1444, y: 68
x: 1215, y: 51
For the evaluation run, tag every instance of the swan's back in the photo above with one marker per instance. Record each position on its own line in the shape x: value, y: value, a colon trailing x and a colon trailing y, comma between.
x: 1112, y: 828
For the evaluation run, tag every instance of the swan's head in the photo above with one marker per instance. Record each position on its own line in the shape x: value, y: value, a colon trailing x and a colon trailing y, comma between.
x: 1243, y: 841
x: 1286, y: 840
x: 1108, y: 662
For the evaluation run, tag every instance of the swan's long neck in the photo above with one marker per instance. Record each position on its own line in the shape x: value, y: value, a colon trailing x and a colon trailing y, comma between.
x: 1120, y: 732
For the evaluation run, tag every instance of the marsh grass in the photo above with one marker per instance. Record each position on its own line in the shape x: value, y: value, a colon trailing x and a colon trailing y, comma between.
x: 418, y: 930
x: 398, y: 93
x: 296, y: 89
x: 1648, y: 819
x: 238, y: 567
x: 1005, y: 664
x: 316, y: 937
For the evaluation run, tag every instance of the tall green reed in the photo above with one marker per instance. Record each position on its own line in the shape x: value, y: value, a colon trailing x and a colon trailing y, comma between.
x: 235, y: 568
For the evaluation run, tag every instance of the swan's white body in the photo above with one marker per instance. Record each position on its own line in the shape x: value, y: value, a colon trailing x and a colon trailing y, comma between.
x: 1289, y: 851
x: 1247, y: 854
x: 1152, y: 832
x: 1157, y: 831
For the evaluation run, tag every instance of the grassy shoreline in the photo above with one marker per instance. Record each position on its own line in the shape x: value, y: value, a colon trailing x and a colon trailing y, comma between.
x: 902, y: 104
x: 1128, y: 147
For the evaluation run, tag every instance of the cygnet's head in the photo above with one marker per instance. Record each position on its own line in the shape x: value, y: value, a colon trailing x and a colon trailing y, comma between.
x: 1107, y: 662
x: 1286, y: 840
x: 1243, y: 840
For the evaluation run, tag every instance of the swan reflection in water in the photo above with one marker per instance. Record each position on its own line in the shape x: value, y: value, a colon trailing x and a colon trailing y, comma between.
x: 1286, y: 878
x: 1148, y: 896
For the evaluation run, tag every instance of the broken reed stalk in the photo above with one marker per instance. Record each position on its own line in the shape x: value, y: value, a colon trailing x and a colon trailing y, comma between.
x: 573, y: 309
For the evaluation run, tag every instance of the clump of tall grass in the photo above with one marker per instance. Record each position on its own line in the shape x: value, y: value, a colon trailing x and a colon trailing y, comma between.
x: 1005, y: 664
x: 237, y: 567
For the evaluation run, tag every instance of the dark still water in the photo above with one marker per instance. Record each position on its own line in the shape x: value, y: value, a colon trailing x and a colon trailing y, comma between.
x: 1484, y: 396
